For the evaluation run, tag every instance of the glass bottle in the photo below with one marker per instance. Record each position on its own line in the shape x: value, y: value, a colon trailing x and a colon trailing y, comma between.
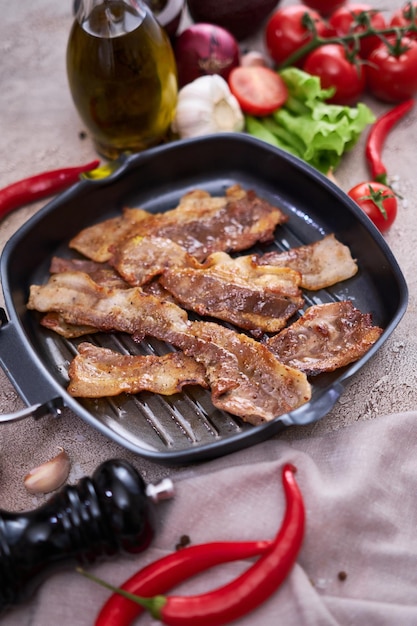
x: 122, y: 75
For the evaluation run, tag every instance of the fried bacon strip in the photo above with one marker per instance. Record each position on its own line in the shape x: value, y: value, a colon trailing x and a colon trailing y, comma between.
x: 96, y: 372
x: 244, y: 376
x: 94, y: 241
x: 201, y: 224
x: 326, y: 337
x: 81, y: 301
x: 235, y: 290
x: 55, y: 322
x: 243, y: 379
x: 143, y: 258
x: 102, y: 273
x: 321, y: 264
x: 256, y: 298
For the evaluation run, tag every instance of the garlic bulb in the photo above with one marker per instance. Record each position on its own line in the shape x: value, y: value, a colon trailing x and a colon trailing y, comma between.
x: 205, y: 106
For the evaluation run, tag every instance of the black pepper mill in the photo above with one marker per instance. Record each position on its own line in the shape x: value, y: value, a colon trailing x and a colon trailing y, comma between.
x: 96, y: 519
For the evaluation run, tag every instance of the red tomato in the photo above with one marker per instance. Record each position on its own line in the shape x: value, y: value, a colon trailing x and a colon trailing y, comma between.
x: 324, y: 7
x: 286, y: 31
x: 393, y: 78
x: 378, y: 202
x: 334, y: 69
x: 259, y: 90
x: 353, y: 19
x: 403, y: 17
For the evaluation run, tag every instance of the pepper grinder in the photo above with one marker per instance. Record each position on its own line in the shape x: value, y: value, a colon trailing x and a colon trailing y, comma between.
x: 101, y: 516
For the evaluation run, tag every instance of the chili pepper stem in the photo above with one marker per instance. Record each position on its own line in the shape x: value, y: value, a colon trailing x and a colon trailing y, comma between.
x: 154, y: 604
x: 381, y: 178
x: 170, y: 570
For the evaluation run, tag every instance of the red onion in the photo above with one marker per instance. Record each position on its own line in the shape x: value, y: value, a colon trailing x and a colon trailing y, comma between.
x: 242, y: 18
x: 203, y: 49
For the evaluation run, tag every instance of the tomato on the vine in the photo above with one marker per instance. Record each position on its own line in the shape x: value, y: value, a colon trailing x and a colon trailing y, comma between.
x: 378, y: 201
x: 332, y: 65
x: 287, y: 31
x: 259, y: 90
x: 391, y: 71
x: 354, y: 18
x: 405, y: 16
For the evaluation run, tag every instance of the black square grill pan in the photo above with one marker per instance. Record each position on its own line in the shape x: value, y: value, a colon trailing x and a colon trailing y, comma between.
x: 186, y: 427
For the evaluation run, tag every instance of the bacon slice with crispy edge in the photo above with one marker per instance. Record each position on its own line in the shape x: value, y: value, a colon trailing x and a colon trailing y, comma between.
x: 96, y: 372
x: 236, y: 290
x: 321, y: 264
x: 256, y: 298
x: 201, y: 224
x: 55, y: 322
x: 244, y: 376
x: 243, y: 379
x: 79, y: 300
x: 102, y: 273
x: 326, y: 337
x: 94, y: 241
x: 143, y: 258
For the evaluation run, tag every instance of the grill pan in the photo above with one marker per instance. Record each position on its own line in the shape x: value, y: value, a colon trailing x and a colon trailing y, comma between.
x: 186, y: 427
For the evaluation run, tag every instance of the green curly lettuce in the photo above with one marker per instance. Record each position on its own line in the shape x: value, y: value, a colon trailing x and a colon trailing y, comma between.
x: 309, y: 127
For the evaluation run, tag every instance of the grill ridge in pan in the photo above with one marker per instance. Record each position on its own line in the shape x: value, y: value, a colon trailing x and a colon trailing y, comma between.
x: 186, y: 427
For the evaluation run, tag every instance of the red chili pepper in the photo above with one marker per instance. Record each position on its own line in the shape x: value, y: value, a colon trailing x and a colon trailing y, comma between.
x: 254, y: 586
x: 247, y: 591
x: 376, y: 139
x: 40, y: 186
x: 170, y: 570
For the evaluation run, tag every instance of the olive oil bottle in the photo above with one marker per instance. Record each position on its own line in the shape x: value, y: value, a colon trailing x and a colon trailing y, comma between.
x: 122, y: 75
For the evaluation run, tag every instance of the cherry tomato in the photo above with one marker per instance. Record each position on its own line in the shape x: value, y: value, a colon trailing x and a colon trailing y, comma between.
x: 324, y: 7
x: 378, y: 201
x: 403, y: 17
x: 286, y: 31
x: 334, y: 69
x: 259, y: 90
x: 393, y: 78
x: 353, y: 19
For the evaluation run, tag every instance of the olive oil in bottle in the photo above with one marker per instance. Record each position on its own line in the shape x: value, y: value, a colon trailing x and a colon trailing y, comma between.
x: 122, y: 75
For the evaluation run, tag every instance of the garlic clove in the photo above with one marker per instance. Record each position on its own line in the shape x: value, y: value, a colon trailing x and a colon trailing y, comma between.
x: 48, y: 476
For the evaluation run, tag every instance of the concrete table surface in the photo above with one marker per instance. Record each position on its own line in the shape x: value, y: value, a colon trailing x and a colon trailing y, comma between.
x: 41, y: 130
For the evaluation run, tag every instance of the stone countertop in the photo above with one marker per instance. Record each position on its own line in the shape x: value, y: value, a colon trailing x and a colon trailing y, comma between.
x: 41, y: 130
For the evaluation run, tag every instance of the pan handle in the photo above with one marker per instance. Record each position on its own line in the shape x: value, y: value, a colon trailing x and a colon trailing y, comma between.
x: 36, y: 411
x: 28, y: 375
x: 324, y: 401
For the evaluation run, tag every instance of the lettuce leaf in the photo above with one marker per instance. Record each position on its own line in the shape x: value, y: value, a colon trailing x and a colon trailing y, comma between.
x: 309, y: 127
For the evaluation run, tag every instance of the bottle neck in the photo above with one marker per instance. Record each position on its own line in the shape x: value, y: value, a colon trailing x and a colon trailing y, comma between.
x: 113, y: 13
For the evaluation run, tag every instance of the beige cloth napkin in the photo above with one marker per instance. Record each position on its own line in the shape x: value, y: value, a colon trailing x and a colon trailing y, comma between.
x: 360, y: 488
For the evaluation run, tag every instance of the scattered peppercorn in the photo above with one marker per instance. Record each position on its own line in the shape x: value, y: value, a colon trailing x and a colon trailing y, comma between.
x: 183, y: 542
